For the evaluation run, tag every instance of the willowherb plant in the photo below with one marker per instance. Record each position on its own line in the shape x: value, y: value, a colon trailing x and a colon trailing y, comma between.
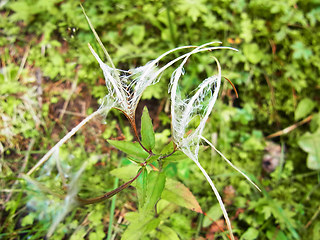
x: 125, y: 88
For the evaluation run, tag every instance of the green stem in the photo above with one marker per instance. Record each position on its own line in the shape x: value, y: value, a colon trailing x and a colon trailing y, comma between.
x: 170, y: 23
x: 112, y: 208
x: 168, y: 155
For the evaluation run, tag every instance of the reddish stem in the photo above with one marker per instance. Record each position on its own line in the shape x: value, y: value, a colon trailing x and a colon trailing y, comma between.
x: 108, y: 194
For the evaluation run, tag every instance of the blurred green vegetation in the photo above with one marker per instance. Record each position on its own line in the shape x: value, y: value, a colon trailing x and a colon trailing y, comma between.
x: 49, y: 81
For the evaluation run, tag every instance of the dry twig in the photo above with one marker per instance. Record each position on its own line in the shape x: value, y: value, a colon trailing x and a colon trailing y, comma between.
x: 290, y: 128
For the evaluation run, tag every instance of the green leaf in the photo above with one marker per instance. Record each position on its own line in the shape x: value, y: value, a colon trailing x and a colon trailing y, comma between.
x: 275, y: 234
x: 281, y: 236
x: 250, y: 234
x: 267, y: 211
x: 315, y: 122
x: 153, y: 158
x: 139, y: 227
x: 155, y: 185
x: 132, y: 148
x: 310, y: 143
x: 147, y: 133
x: 167, y: 149
x: 125, y: 173
x: 193, y: 8
x: 28, y: 220
x: 97, y: 233
x: 132, y: 216
x: 304, y: 107
x: 177, y: 156
x: 247, y: 29
x: 137, y: 32
x: 301, y: 51
x: 166, y: 233
x: 252, y: 53
x: 165, y: 209
x: 179, y: 194
x: 154, y: 91
x: 213, y: 214
x: 141, y: 185
x: 316, y: 230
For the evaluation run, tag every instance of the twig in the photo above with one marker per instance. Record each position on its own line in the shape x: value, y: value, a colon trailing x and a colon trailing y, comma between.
x: 315, y: 215
x: 38, y: 75
x: 82, y: 225
x: 273, y: 99
x: 66, y: 103
x: 63, y: 140
x: 23, y: 62
x: 72, y: 113
x: 116, y: 227
x: 290, y: 128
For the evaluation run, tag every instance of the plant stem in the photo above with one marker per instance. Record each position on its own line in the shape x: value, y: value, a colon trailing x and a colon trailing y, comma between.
x: 134, y: 127
x: 108, y: 194
x: 63, y: 140
x: 168, y: 155
x: 112, y: 208
x: 170, y: 23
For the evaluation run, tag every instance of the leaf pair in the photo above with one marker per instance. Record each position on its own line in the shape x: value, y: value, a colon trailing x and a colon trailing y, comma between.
x: 150, y: 187
x: 174, y: 191
x: 135, y: 149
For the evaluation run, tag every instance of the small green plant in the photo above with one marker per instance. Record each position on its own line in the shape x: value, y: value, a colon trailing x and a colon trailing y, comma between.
x: 125, y: 89
x: 276, y: 71
x: 149, y: 159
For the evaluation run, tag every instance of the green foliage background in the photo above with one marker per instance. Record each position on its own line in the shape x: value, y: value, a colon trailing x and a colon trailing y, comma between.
x: 276, y: 73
